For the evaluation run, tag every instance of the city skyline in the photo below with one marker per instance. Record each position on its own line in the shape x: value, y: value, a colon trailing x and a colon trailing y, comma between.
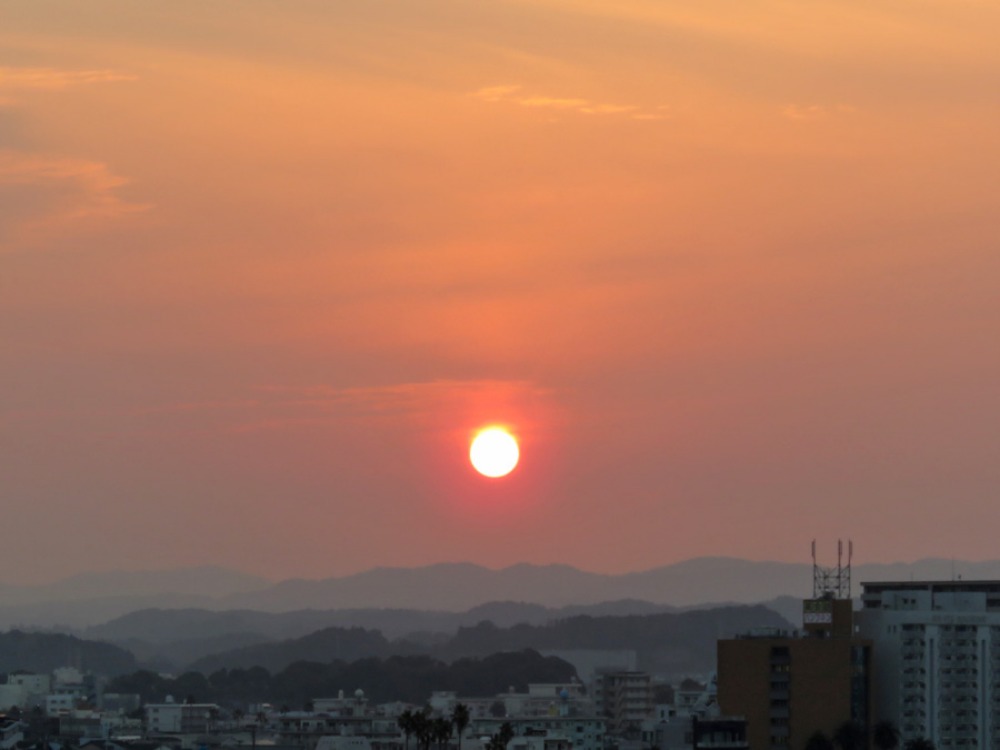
x: 727, y: 273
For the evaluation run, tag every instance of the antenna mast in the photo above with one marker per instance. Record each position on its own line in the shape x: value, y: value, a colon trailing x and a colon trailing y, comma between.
x: 833, y: 583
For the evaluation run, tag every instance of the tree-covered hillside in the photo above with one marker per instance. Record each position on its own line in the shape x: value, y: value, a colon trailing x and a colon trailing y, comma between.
x: 406, y: 678
x: 43, y: 652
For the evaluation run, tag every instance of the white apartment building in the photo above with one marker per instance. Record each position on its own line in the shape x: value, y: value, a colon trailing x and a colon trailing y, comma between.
x: 180, y: 718
x: 59, y: 704
x: 32, y: 684
x: 936, y: 653
x: 625, y: 699
x: 543, y: 732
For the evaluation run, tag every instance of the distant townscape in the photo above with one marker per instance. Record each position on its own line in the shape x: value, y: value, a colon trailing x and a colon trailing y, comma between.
x: 912, y: 662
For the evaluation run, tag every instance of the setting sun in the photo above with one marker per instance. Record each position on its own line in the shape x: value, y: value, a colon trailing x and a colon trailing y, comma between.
x: 494, y: 452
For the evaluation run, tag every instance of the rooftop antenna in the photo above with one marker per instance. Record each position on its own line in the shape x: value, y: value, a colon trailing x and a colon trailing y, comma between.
x: 833, y: 583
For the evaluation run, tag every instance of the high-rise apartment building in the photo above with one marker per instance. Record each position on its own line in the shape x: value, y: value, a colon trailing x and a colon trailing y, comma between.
x: 937, y: 659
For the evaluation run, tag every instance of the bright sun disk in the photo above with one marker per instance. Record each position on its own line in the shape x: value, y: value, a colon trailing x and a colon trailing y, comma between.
x: 494, y: 452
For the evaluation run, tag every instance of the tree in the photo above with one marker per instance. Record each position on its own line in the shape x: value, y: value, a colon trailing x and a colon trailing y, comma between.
x: 500, y: 740
x: 885, y: 735
x: 407, y: 725
x: 423, y: 729
x: 441, y: 729
x: 920, y: 743
x: 460, y: 718
x: 818, y: 741
x: 850, y: 736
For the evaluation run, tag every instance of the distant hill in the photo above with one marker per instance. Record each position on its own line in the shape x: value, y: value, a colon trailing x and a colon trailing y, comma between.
x: 398, y: 678
x: 164, y: 626
x: 170, y: 640
x: 692, y: 582
x: 669, y: 643
x: 92, y: 598
x: 455, y: 587
x: 666, y: 644
x: 324, y: 646
x: 206, y: 581
x: 44, y: 652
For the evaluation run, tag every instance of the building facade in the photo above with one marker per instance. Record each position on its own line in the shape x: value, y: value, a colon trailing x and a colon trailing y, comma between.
x: 180, y: 718
x: 789, y: 685
x: 624, y: 699
x: 937, y: 659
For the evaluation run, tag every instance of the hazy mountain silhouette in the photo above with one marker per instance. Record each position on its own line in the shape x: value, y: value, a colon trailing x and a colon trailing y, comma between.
x: 44, y: 652
x: 668, y: 643
x: 207, y: 581
x: 85, y: 600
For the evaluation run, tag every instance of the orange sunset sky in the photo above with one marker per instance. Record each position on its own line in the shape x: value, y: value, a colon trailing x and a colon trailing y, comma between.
x: 728, y: 269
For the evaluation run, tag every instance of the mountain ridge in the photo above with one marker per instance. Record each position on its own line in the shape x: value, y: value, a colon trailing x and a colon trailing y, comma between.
x: 93, y: 598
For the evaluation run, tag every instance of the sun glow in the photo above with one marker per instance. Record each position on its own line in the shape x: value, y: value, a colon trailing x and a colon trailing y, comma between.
x: 494, y: 452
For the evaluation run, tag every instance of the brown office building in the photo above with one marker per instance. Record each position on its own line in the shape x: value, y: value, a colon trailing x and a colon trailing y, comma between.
x: 791, y: 685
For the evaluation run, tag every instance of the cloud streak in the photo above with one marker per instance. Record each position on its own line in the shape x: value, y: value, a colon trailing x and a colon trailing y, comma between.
x: 49, y: 193
x: 279, y: 407
x: 511, y: 94
x: 54, y: 79
x: 814, y: 111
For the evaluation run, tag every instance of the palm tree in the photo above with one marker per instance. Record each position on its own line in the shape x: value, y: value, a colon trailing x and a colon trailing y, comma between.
x: 920, y: 743
x: 885, y: 736
x: 818, y: 741
x: 850, y: 736
x: 407, y: 725
x: 423, y: 728
x: 460, y: 718
x: 442, y: 731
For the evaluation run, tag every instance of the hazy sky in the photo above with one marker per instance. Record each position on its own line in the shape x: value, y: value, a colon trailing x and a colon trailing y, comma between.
x: 729, y: 269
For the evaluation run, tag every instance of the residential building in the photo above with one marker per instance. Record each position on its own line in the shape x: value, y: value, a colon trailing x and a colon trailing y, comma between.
x: 32, y: 684
x: 624, y: 699
x: 11, y: 733
x: 180, y: 718
x: 59, y: 704
x: 719, y: 733
x: 552, y: 732
x: 789, y: 684
x: 937, y: 659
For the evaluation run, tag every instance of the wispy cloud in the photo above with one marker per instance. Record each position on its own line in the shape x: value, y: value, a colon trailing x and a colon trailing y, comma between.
x: 403, y: 397
x: 49, y: 193
x: 496, y: 93
x: 814, y: 111
x: 54, y: 79
x: 276, y: 407
x: 512, y: 94
x: 554, y: 102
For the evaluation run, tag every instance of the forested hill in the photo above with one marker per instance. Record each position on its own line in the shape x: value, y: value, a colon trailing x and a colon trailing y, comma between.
x: 403, y: 678
x: 325, y: 646
x: 671, y: 643
x: 44, y: 652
